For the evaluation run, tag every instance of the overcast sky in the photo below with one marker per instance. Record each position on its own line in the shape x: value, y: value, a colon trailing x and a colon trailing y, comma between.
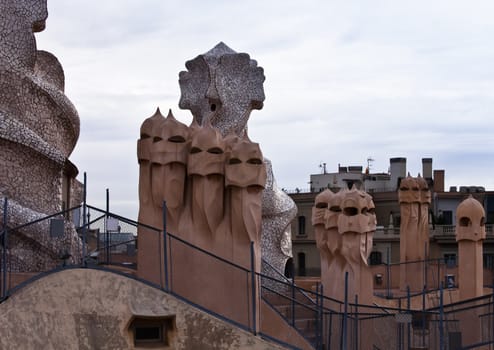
x: 345, y: 81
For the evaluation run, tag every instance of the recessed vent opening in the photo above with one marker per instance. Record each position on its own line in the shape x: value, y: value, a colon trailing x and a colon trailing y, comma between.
x: 152, y: 332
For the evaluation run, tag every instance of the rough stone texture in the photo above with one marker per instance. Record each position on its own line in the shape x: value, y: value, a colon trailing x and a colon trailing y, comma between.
x: 39, y: 128
x: 222, y: 87
x: 415, y: 199
x: 90, y: 309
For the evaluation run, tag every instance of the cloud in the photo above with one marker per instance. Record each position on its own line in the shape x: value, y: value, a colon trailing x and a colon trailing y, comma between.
x: 344, y: 81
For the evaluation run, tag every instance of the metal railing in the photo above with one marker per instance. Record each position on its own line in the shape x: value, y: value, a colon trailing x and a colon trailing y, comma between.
x: 450, y: 230
x: 430, y: 273
x: 326, y: 323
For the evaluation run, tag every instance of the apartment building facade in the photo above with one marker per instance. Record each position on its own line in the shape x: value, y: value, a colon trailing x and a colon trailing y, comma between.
x: 383, y: 188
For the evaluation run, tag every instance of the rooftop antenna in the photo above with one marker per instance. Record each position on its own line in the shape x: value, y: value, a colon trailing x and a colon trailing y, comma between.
x: 369, y: 163
x: 323, y: 168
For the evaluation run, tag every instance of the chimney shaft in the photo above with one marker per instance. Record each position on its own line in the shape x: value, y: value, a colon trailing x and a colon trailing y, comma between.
x: 427, y: 168
x: 438, y: 180
x: 398, y: 169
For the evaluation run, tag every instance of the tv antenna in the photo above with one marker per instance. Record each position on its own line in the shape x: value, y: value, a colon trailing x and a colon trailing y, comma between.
x: 323, y: 168
x: 369, y: 163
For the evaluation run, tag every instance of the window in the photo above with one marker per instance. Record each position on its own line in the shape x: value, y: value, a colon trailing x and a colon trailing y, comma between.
x: 375, y: 258
x: 447, y: 217
x: 148, y: 333
x: 450, y: 259
x: 151, y: 332
x: 488, y: 261
x: 301, y: 225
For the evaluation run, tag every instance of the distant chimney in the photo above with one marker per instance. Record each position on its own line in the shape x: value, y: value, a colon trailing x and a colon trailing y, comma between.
x: 427, y: 168
x: 398, y: 170
x: 355, y: 169
x: 438, y: 180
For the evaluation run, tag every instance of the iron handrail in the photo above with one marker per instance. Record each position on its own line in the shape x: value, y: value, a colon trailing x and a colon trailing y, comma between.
x: 289, y: 298
x: 44, y: 218
x: 286, y: 279
x: 207, y: 253
x: 126, y: 220
x: 467, y: 301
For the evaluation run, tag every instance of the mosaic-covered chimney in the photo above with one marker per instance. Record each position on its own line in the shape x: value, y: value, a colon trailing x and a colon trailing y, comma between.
x: 39, y: 128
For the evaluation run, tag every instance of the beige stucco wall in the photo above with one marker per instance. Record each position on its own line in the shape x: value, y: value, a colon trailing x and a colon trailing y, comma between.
x: 92, y: 309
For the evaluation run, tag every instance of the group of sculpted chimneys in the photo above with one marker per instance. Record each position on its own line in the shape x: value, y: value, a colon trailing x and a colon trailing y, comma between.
x: 344, y: 225
x: 211, y: 184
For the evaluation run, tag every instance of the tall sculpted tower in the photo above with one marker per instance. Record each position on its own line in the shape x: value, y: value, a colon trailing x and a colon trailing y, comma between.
x: 415, y: 198
x: 39, y: 128
x: 222, y: 87
x: 470, y: 234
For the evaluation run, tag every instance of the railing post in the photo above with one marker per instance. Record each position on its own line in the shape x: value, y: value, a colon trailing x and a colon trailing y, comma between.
x: 321, y: 316
x: 426, y: 262
x: 316, y: 318
x: 84, y: 229
x: 408, y: 324
x: 329, y: 329
x: 165, y: 252
x: 5, y: 243
x: 399, y: 340
x: 293, y: 301
x: 423, y: 315
x: 253, y: 287
x: 388, y: 274
x: 438, y: 272
x: 343, y: 342
x: 107, y: 233
x: 356, y: 320
x: 441, y: 316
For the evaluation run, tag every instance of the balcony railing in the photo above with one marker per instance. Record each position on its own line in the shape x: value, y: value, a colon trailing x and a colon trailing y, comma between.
x: 439, y: 230
x: 450, y: 230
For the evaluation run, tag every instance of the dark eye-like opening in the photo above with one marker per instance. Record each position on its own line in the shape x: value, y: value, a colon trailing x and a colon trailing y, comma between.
x: 194, y: 150
x: 321, y: 205
x: 215, y: 150
x: 234, y: 161
x: 350, y: 211
x: 482, y: 221
x: 404, y: 188
x: 145, y: 136
x: 254, y: 161
x: 213, y: 107
x: 176, y: 139
x: 335, y: 209
x: 465, y: 222
x: 372, y: 210
x: 157, y: 139
x: 364, y: 211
